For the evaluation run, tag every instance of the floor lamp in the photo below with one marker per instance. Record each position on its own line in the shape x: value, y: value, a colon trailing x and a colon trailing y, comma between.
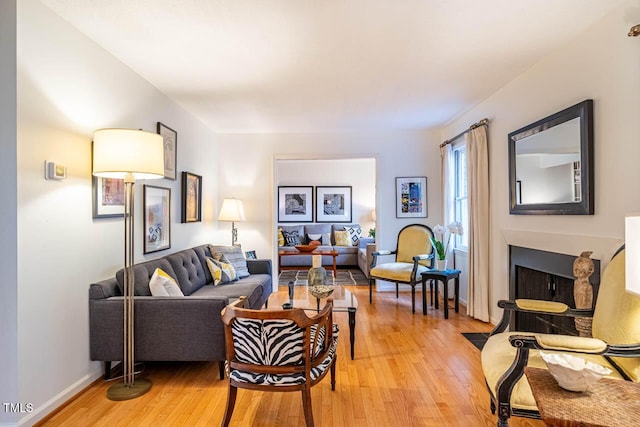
x: 232, y: 210
x: 128, y: 154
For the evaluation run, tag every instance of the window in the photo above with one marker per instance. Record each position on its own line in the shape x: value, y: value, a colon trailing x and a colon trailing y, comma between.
x: 460, y: 206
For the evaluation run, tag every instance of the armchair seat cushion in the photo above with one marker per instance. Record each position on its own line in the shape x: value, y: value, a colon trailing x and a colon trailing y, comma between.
x: 497, y: 356
x: 396, y: 271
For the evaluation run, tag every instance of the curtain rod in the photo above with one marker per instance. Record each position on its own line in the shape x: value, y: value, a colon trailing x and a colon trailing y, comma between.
x: 483, y: 122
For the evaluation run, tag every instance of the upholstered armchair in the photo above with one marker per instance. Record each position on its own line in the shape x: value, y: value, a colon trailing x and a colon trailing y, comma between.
x: 413, y: 255
x: 615, y: 343
x: 278, y: 350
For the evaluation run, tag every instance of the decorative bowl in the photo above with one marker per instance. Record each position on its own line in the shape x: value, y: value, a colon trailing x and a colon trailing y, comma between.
x: 573, y: 373
x: 321, y: 291
x: 306, y: 248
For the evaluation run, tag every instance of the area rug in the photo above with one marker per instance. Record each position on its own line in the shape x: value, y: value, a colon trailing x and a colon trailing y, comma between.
x: 351, y: 277
x: 478, y: 339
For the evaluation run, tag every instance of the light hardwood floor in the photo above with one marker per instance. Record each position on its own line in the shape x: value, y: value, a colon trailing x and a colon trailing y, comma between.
x: 409, y: 370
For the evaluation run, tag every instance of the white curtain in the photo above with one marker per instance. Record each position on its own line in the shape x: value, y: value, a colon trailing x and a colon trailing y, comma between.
x: 478, y: 199
x: 448, y: 194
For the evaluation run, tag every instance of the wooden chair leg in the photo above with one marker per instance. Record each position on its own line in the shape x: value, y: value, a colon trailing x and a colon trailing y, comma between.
x: 413, y: 299
x: 397, y: 290
x: 221, y: 368
x: 306, y: 406
x: 333, y: 372
x: 371, y: 281
x: 231, y: 403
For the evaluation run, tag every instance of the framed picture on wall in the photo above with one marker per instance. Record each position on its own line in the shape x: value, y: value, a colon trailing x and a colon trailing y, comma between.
x: 157, y: 218
x: 295, y: 204
x: 170, y: 139
x: 411, y: 197
x: 108, y: 197
x: 191, y: 197
x: 333, y: 204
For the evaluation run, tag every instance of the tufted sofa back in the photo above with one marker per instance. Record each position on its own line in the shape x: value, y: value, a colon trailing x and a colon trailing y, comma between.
x: 186, y: 267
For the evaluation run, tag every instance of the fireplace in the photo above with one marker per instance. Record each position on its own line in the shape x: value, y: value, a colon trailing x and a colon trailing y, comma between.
x: 542, y: 275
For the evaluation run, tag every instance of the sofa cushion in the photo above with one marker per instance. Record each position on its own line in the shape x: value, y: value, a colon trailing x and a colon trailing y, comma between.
x: 163, y: 285
x: 142, y: 274
x: 189, y: 270
x: 251, y: 287
x: 354, y: 234
x: 346, y: 250
x: 342, y: 238
x: 234, y: 256
x: 292, y: 238
x: 221, y: 272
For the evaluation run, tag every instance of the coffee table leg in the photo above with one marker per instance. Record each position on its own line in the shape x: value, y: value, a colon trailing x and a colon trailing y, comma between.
x: 446, y: 299
x: 352, y: 328
x: 335, y: 272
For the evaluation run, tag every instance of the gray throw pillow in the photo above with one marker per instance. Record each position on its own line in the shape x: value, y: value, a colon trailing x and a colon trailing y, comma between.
x: 235, y: 257
x: 291, y: 238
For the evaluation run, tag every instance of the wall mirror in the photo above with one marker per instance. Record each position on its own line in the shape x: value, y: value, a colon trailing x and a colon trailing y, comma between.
x: 551, y: 164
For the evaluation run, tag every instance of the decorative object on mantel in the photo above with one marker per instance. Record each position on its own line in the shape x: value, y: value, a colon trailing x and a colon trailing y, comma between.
x: 232, y: 210
x: 128, y: 154
x: 583, y: 291
x: 438, y: 239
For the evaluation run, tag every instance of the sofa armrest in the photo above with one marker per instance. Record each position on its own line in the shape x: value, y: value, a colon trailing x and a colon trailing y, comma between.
x: 259, y: 266
x: 166, y: 328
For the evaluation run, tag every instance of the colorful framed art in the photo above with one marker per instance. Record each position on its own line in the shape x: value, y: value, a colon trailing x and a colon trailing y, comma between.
x: 411, y: 197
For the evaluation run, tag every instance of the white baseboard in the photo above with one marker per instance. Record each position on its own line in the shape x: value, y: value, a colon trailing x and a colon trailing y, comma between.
x: 59, y: 399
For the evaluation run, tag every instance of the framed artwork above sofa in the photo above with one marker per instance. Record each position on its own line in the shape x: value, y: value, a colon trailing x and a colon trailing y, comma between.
x: 333, y: 204
x: 295, y: 204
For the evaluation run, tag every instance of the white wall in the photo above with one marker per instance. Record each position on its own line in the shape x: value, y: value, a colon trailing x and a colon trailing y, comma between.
x: 602, y: 64
x: 67, y: 88
x: 247, y: 165
x: 360, y: 174
x: 8, y: 213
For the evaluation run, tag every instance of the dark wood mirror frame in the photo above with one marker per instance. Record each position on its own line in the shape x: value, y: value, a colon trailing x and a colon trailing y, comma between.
x: 583, y: 110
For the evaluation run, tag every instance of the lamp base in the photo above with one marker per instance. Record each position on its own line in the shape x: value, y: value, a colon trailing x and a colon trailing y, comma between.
x: 120, y: 391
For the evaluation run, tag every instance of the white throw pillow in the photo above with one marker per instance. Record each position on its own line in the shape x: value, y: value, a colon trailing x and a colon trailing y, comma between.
x: 163, y: 285
x: 354, y: 234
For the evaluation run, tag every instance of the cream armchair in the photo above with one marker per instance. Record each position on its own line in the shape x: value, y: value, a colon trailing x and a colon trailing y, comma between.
x: 413, y: 255
x: 615, y: 343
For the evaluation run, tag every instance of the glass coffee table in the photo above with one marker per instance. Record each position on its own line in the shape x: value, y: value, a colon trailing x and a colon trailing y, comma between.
x: 343, y: 302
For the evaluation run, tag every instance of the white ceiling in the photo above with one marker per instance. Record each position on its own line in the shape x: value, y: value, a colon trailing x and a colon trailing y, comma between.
x: 329, y: 65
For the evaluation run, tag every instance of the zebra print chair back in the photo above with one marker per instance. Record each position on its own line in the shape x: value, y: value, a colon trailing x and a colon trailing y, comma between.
x: 278, y: 350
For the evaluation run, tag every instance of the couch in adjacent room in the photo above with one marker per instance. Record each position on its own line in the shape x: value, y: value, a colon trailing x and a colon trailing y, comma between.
x: 355, y: 252
x: 173, y: 328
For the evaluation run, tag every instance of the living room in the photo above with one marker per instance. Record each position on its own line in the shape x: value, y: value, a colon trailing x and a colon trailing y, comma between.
x: 60, y: 86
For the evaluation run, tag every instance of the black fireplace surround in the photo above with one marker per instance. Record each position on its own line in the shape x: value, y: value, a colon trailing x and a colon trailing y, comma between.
x: 542, y: 275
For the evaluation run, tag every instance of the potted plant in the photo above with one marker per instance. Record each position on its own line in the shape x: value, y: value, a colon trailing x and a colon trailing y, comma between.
x: 442, y: 234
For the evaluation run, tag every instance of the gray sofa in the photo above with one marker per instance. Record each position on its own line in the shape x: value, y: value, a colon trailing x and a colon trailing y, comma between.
x: 352, y: 256
x: 185, y: 328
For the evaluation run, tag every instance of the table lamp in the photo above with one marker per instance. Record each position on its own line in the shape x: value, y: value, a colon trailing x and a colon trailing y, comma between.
x: 232, y: 210
x: 128, y: 154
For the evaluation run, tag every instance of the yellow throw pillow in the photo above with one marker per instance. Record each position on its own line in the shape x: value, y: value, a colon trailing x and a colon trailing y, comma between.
x: 280, y: 237
x: 342, y: 238
x: 221, y: 272
x: 163, y: 285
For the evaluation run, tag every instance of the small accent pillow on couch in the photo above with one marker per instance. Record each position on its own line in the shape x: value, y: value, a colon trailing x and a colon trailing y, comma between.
x: 342, y: 238
x: 291, y: 238
x: 354, y: 234
x: 234, y: 256
x: 222, y: 272
x: 163, y: 285
x: 314, y: 239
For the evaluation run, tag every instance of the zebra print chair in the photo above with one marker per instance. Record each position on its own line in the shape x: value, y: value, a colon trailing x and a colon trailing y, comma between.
x: 278, y: 350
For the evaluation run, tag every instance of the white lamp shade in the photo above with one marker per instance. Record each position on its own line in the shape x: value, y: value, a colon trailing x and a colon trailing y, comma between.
x: 117, y: 152
x: 632, y: 253
x: 231, y: 210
